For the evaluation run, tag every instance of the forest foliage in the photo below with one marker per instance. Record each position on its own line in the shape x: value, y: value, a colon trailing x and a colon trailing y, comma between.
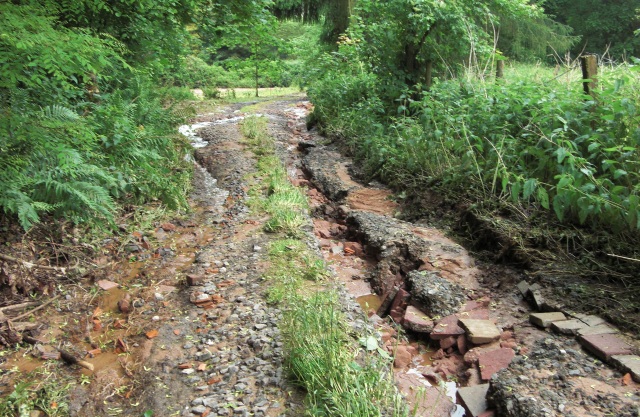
x: 421, y: 74
x: 85, y: 129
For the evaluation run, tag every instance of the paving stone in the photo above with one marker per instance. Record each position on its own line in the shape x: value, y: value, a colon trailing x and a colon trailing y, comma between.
x: 446, y: 327
x: 568, y: 326
x: 599, y: 329
x: 545, y: 319
x: 523, y: 287
x: 480, y: 331
x: 591, y: 320
x: 628, y: 363
x: 536, y: 299
x: 493, y: 361
x: 426, y: 400
x: 604, y: 346
x: 473, y: 399
x: 416, y: 320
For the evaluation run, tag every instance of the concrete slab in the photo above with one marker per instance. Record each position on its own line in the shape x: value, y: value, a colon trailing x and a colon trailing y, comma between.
x: 545, y: 319
x: 426, y: 400
x: 569, y: 327
x: 591, y: 320
x: 523, y: 287
x: 536, y: 299
x: 628, y: 363
x: 480, y: 331
x: 599, y: 329
x: 473, y: 399
x: 493, y: 361
x: 604, y: 346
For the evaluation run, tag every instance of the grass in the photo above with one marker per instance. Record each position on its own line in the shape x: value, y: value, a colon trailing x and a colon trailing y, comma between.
x: 322, y: 357
x: 42, y: 390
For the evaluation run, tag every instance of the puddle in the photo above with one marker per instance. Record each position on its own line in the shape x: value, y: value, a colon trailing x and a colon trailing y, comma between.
x: 370, y: 302
x: 22, y: 363
x: 108, y: 301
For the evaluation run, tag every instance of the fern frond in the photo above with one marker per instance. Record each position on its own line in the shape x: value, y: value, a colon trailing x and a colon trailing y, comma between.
x: 61, y: 113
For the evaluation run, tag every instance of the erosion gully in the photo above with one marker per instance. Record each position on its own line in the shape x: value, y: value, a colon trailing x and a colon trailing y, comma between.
x: 180, y: 325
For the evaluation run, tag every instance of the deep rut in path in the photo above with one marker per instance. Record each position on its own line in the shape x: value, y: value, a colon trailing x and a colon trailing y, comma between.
x: 462, y: 323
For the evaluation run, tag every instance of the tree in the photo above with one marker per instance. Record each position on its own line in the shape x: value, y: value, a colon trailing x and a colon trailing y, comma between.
x: 406, y: 41
x: 601, y: 24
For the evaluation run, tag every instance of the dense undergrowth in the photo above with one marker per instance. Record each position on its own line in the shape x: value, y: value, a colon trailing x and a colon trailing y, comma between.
x: 82, y: 132
x: 530, y: 169
x: 538, y: 145
x: 340, y: 377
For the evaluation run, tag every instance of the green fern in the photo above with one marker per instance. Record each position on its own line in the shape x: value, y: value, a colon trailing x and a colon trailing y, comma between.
x: 61, y: 113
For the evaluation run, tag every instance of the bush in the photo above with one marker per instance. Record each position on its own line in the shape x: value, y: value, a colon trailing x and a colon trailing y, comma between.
x: 541, y: 145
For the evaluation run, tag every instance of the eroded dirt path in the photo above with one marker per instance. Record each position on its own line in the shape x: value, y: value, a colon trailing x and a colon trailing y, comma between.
x: 185, y: 329
x: 451, y: 322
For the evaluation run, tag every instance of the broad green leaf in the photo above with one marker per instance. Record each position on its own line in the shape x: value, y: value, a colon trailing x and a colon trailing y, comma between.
x: 369, y: 343
x: 543, y: 197
x: 529, y: 187
x: 564, y: 181
x: 515, y: 191
x: 562, y: 153
x: 619, y: 173
x: 558, y: 207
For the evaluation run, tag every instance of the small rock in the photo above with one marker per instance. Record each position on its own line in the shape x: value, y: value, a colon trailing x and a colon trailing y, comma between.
x: 473, y: 399
x: 193, y: 280
x: 107, y: 285
x: 402, y: 358
x: 199, y: 410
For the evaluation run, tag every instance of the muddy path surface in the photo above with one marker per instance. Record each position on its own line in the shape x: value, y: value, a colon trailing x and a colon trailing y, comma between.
x: 176, y: 320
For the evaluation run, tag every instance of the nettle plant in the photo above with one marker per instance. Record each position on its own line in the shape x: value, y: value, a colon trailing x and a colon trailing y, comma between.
x: 543, y: 145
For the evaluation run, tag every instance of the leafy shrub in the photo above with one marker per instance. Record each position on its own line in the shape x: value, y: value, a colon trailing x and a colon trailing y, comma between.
x: 545, y: 145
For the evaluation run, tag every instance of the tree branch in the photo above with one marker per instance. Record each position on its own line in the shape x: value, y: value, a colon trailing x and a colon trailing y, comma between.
x: 30, y: 265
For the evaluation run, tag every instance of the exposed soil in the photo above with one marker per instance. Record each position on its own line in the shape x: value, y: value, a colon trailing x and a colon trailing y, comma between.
x: 187, y: 331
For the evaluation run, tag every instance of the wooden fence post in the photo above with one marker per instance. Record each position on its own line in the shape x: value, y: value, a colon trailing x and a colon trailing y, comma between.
x: 589, y: 65
x: 500, y: 69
